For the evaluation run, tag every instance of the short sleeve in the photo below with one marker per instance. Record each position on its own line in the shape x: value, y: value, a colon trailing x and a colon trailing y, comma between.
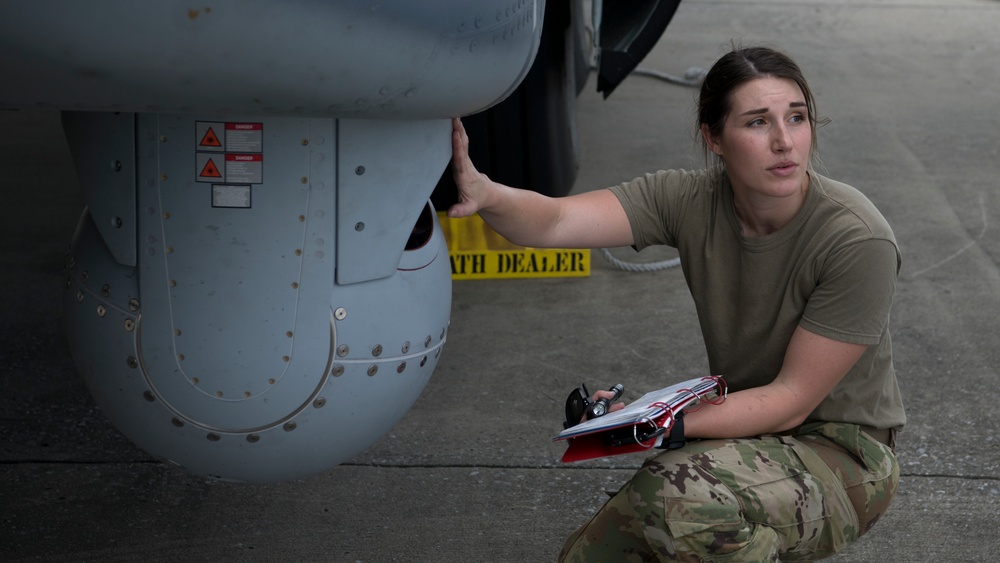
x: 658, y: 204
x: 854, y: 293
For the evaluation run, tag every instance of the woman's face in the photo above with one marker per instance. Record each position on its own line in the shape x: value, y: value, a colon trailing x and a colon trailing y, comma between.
x: 766, y: 140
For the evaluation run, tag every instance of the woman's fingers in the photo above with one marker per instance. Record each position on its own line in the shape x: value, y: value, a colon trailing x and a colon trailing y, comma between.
x: 603, y: 394
x: 467, y: 178
x: 459, y: 147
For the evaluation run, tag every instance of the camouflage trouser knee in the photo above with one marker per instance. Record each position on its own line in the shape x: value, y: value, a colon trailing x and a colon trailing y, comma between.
x: 759, y: 499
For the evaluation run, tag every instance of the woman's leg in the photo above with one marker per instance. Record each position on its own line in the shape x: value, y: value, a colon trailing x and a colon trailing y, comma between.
x: 722, y: 500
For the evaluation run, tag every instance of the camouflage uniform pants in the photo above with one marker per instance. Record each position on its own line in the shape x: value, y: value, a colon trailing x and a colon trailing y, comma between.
x: 797, y: 498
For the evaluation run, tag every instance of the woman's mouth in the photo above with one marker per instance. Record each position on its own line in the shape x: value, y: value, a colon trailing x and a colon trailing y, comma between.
x: 784, y: 168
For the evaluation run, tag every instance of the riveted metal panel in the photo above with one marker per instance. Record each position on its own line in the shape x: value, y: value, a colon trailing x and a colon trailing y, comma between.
x: 234, y: 296
x: 387, y: 171
x: 103, y: 149
x: 389, y: 335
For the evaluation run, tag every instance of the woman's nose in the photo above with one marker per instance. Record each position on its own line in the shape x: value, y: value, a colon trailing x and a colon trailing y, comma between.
x: 781, y: 141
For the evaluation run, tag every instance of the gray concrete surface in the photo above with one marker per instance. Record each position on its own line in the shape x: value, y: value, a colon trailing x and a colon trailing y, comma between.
x: 471, y: 474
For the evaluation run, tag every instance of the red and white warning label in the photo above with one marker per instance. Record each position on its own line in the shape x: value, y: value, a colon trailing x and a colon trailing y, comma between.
x: 230, y: 152
x: 244, y: 168
x: 245, y: 137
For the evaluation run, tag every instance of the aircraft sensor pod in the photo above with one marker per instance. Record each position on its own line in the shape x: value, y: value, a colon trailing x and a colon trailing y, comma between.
x: 253, y: 172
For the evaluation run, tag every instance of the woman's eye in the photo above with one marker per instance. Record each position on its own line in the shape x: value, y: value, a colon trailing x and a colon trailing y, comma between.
x: 756, y: 122
x: 797, y: 118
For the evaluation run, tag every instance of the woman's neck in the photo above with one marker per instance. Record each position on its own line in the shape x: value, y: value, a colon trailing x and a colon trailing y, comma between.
x: 762, y: 215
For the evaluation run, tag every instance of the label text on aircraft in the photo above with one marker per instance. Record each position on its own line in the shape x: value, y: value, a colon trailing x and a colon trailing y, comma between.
x: 229, y: 151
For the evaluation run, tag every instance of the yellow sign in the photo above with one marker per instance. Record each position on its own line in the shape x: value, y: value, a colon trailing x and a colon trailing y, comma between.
x: 478, y: 252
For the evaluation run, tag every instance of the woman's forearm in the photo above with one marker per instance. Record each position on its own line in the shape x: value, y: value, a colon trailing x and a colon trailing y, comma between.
x: 751, y: 412
x: 523, y: 217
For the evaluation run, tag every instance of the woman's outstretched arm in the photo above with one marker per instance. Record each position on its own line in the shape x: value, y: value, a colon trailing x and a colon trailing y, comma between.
x: 588, y: 220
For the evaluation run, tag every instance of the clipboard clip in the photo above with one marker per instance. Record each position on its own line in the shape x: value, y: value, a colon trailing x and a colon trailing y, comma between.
x: 635, y: 436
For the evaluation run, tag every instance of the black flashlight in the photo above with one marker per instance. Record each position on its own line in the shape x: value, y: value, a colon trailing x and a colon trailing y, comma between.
x: 601, y: 406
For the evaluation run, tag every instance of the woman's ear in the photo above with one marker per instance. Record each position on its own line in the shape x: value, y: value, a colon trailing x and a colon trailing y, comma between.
x: 710, y: 141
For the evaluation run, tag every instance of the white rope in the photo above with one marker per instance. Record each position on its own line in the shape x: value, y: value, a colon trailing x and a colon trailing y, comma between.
x: 640, y: 266
x: 692, y: 78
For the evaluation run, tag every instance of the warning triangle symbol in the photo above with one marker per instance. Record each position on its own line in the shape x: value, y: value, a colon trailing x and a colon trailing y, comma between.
x: 210, y: 170
x: 210, y: 139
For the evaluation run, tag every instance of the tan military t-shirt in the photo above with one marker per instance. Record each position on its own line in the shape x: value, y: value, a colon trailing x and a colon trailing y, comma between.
x: 832, y: 270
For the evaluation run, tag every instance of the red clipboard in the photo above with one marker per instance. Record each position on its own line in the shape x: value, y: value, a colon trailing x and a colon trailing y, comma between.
x: 622, y: 432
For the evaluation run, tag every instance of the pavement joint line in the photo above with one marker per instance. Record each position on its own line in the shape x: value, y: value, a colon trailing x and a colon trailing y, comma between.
x: 373, y: 465
x: 868, y: 5
x: 455, y: 466
x: 75, y: 462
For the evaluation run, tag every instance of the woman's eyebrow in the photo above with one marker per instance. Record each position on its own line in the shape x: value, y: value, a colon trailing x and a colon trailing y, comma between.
x: 765, y: 110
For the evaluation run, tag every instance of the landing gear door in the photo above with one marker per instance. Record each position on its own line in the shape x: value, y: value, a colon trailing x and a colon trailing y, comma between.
x: 625, y: 33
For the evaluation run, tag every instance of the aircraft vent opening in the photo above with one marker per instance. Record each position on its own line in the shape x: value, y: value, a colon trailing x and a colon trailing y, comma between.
x: 422, y: 230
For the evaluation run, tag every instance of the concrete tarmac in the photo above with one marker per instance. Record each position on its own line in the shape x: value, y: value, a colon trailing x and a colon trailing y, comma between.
x: 471, y: 472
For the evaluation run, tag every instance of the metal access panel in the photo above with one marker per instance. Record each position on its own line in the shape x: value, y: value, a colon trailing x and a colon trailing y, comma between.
x: 379, y: 190
x: 103, y: 149
x: 235, y: 215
